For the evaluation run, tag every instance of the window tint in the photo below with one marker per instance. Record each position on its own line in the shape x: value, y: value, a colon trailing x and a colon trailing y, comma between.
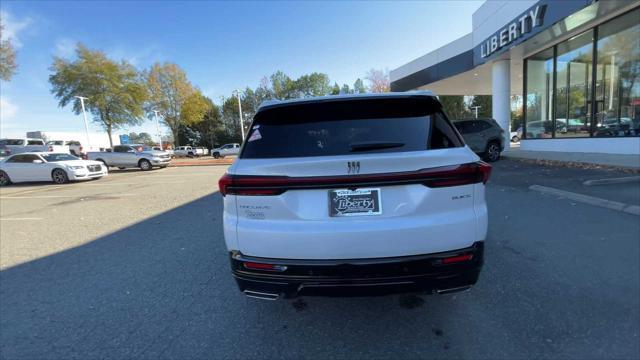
x: 343, y: 127
x: 121, y: 149
x: 55, y: 142
x: 442, y: 134
x: 12, y: 142
x: 464, y: 127
x: 16, y: 159
x: 58, y: 157
x: 35, y: 142
x: 23, y: 158
x: 482, y: 125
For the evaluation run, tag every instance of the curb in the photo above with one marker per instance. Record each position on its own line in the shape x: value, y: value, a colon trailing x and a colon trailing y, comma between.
x: 622, y: 180
x: 572, y: 164
x: 586, y: 199
x: 199, y: 164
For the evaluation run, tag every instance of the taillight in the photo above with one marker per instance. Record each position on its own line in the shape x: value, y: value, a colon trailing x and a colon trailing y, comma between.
x: 444, y: 176
x: 266, y: 267
x: 80, y: 148
x: 460, y: 175
x: 50, y: 148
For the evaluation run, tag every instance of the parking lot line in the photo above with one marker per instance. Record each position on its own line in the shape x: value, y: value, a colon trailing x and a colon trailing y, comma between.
x: 586, y: 199
x: 59, y: 196
x: 20, y: 219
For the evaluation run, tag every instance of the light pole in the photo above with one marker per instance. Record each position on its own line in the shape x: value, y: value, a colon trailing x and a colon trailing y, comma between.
x: 84, y: 115
x: 240, y: 111
x: 476, y: 109
x: 158, y: 129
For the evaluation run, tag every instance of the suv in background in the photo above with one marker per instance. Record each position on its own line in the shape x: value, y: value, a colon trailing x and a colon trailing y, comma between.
x: 483, y: 136
x: 226, y: 150
x: 362, y: 194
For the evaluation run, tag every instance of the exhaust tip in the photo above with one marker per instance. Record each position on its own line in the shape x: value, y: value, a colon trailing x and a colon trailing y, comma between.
x: 261, y: 295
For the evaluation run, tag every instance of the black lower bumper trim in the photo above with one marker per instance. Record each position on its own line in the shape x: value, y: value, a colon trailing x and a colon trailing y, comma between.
x: 361, y: 277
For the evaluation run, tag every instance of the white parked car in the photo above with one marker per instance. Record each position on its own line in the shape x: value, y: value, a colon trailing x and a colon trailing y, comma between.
x: 354, y: 194
x: 17, y: 146
x: 46, y: 166
x: 226, y: 150
x: 201, y: 151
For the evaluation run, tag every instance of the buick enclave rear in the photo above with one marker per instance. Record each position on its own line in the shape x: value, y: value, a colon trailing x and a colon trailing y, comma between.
x: 354, y: 195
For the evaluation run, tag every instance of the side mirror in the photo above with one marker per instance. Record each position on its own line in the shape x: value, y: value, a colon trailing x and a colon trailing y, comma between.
x: 37, y: 161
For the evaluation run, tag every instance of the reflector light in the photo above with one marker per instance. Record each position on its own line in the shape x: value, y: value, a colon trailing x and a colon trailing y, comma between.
x: 260, y: 266
x: 455, y: 259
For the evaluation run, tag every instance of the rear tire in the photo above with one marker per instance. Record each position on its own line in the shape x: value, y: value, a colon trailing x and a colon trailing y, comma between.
x: 104, y: 162
x: 121, y: 167
x: 515, y: 139
x: 216, y: 155
x: 4, y: 178
x: 145, y: 165
x: 492, y: 153
x: 59, y: 176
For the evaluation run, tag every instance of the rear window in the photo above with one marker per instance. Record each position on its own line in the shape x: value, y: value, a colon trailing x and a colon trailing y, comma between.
x: 347, y: 127
x: 35, y: 142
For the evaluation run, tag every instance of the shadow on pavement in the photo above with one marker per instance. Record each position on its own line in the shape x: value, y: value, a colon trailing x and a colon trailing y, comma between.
x: 162, y: 288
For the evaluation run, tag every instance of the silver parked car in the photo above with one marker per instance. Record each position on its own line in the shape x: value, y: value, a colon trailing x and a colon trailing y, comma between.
x: 134, y: 155
x: 483, y: 136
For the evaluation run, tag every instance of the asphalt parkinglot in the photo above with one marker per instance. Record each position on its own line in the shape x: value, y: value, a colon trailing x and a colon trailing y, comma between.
x: 134, y: 266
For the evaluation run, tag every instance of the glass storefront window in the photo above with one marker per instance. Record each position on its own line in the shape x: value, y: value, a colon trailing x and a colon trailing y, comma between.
x: 568, y: 108
x: 618, y: 77
x: 539, y: 95
x: 573, y: 84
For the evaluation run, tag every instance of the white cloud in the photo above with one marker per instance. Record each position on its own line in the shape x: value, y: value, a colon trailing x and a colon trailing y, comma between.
x: 144, y: 56
x: 12, y: 27
x: 65, y: 47
x: 8, y: 109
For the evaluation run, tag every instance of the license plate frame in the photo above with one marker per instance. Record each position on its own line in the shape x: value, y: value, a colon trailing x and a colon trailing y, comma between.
x: 355, y: 202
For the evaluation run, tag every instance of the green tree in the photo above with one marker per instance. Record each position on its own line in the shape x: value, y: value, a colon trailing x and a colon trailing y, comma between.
x: 169, y: 89
x: 358, y: 87
x: 454, y: 106
x: 282, y: 86
x: 485, y: 106
x: 115, y: 90
x: 8, y: 65
x: 314, y: 84
x: 142, y: 138
x: 335, y: 89
x: 345, y: 89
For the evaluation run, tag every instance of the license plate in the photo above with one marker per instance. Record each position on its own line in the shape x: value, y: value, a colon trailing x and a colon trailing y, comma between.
x: 359, y: 202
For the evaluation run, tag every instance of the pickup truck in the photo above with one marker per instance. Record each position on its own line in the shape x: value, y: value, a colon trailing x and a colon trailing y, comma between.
x: 131, y: 156
x: 18, y: 146
x: 72, y: 147
x: 201, y: 151
x: 181, y: 151
x: 226, y: 150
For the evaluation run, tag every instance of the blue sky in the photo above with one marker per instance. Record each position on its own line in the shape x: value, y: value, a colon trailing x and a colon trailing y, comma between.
x: 221, y: 45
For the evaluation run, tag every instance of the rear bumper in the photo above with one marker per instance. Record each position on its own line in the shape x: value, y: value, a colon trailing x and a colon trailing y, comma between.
x: 359, y: 277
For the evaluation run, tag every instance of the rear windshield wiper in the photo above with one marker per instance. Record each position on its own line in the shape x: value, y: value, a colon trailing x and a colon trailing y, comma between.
x: 374, y: 145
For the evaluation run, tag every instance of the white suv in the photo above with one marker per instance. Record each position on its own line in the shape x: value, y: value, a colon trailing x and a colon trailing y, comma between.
x: 354, y: 195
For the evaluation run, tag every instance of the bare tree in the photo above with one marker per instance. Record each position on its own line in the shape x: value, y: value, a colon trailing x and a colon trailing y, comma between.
x: 378, y: 81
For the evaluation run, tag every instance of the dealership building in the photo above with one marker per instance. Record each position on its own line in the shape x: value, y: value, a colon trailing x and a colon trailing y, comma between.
x: 574, y: 63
